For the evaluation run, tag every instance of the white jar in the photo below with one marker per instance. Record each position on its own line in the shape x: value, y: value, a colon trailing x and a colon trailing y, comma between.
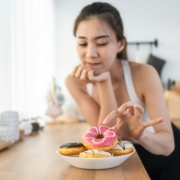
x: 9, y: 126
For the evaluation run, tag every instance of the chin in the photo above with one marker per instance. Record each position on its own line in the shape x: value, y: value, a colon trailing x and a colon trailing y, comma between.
x: 99, y: 71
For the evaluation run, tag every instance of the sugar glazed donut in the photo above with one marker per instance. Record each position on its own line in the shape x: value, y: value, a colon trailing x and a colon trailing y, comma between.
x: 72, y: 148
x: 122, y: 148
x: 94, y: 153
x: 101, y: 138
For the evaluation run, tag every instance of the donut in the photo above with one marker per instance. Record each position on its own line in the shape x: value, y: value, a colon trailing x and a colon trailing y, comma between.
x: 122, y: 148
x: 101, y: 138
x: 71, y: 148
x: 94, y: 153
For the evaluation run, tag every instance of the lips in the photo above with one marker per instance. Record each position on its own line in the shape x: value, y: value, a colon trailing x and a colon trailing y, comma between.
x: 92, y: 64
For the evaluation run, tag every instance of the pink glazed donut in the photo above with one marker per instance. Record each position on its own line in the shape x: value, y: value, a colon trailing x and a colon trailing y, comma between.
x: 102, y: 138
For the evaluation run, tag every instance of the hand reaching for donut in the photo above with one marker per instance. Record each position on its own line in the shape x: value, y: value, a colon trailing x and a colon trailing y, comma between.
x: 87, y: 74
x: 129, y: 122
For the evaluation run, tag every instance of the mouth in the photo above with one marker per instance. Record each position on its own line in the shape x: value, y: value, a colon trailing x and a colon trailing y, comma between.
x: 92, y: 64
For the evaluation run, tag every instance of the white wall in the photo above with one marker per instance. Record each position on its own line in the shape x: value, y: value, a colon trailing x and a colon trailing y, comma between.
x: 26, y: 55
x: 4, y: 48
x: 143, y: 21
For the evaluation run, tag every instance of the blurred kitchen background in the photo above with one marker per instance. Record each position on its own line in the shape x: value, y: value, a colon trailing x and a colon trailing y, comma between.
x: 37, y: 43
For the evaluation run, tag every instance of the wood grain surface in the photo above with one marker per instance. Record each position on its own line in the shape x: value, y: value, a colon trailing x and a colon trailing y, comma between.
x: 34, y: 158
x: 176, y: 122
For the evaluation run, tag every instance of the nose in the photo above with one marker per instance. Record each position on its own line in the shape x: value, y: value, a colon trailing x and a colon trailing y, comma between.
x: 91, y: 51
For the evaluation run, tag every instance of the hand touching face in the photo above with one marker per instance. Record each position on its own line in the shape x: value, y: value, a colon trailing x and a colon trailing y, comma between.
x: 86, y: 74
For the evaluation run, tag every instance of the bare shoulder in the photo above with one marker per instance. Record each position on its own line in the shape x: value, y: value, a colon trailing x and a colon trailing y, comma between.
x: 145, y: 78
x: 143, y: 72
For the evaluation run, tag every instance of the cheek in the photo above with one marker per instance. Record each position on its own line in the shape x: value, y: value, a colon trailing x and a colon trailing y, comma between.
x: 109, y: 56
x: 80, y: 52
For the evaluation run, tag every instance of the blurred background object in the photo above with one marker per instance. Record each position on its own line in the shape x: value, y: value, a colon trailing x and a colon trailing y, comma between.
x: 9, y: 128
x: 55, y: 100
x: 26, y: 126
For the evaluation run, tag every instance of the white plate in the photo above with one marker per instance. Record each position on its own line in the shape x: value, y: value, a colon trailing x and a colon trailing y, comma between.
x: 95, y: 163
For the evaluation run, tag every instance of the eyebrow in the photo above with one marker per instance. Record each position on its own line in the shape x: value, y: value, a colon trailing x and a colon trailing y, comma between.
x: 98, y: 37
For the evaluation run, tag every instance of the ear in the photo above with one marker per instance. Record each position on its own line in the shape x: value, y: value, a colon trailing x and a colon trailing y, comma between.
x: 121, y: 45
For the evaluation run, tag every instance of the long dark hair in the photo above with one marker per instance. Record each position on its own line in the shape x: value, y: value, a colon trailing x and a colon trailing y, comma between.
x: 110, y: 15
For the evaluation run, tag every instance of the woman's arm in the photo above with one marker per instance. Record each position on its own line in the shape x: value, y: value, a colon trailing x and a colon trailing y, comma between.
x: 107, y: 100
x: 156, y: 106
x: 88, y: 107
x: 130, y: 125
x: 93, y: 112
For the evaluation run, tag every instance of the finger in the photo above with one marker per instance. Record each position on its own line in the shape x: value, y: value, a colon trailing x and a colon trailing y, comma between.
x: 118, y: 127
x: 128, y: 106
x: 74, y: 70
x: 78, y: 71
x: 130, y: 110
x: 91, y: 75
x: 84, y: 74
x: 112, y: 115
x: 114, y: 128
x: 139, y: 110
x: 153, y: 122
x: 119, y: 122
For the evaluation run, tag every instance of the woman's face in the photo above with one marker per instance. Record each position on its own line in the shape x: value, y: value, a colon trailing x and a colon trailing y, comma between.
x: 97, y: 45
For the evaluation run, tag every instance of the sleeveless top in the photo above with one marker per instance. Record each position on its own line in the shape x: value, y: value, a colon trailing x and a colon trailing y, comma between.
x: 131, y: 92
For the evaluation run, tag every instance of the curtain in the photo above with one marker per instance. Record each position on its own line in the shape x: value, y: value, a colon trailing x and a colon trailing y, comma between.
x: 30, y: 62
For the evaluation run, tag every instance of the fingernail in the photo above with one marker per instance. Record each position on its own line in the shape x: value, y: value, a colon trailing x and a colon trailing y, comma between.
x: 121, y: 109
x: 106, y: 121
x: 136, y: 106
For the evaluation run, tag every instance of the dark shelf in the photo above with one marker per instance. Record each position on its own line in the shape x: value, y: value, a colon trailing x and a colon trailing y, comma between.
x: 155, y: 43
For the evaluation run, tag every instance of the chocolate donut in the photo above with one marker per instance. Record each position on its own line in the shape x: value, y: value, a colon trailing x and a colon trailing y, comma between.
x: 122, y: 148
x: 72, y: 148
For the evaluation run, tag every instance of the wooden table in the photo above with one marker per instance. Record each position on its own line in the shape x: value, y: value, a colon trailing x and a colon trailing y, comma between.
x: 176, y: 122
x: 172, y: 98
x: 34, y: 158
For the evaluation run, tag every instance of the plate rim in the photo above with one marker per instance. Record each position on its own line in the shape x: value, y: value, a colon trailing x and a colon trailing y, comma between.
x: 108, y: 161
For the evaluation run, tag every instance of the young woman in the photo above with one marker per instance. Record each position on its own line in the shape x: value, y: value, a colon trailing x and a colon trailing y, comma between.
x: 115, y: 82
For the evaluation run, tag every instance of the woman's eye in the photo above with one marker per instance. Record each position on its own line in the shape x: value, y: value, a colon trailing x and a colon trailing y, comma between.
x: 98, y: 44
x: 102, y: 44
x: 82, y: 44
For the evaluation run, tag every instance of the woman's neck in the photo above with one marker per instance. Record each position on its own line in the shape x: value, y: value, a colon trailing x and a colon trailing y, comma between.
x: 116, y: 71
